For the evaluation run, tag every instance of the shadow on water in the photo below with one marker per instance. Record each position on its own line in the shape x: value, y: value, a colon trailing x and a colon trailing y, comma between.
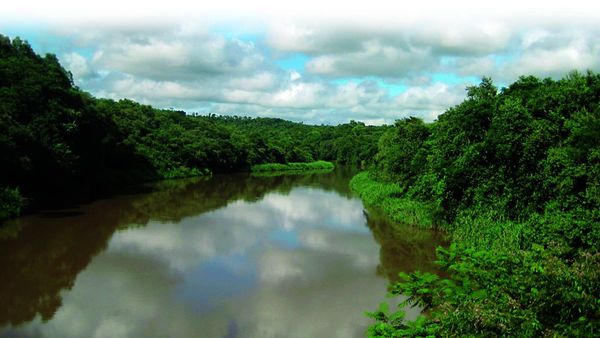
x: 403, y: 248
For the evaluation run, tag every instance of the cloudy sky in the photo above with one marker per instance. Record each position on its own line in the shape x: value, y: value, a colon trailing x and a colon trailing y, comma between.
x: 311, y: 61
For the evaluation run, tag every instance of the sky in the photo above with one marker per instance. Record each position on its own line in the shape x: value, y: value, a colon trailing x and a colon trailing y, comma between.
x: 317, y: 62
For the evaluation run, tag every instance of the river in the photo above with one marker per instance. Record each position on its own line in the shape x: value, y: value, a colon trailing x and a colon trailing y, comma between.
x: 228, y: 256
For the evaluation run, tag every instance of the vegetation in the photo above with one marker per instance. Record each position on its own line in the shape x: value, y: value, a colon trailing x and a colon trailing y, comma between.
x: 11, y: 202
x: 295, y: 166
x: 388, y: 197
x: 513, y: 176
x: 56, y: 138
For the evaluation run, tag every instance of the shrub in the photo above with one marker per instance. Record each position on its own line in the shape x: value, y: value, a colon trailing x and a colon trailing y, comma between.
x: 11, y: 203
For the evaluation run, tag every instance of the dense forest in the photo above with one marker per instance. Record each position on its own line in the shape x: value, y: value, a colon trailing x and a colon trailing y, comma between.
x: 55, y: 138
x: 512, y: 176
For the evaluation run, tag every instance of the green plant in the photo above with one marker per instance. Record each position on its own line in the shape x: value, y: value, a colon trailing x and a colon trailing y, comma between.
x: 11, y: 202
x: 293, y: 166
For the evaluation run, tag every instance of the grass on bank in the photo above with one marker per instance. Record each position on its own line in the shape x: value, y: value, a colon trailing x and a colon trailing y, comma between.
x: 183, y: 172
x: 507, y: 278
x: 387, y: 197
x: 295, y: 166
x: 481, y: 229
x: 290, y: 172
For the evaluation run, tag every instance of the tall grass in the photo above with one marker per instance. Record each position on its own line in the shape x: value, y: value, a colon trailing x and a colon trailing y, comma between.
x: 487, y: 230
x: 289, y: 172
x: 388, y: 198
x: 477, y: 228
x: 317, y: 165
x: 183, y: 172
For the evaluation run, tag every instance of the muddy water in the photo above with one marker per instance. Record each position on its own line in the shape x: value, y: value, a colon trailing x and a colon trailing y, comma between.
x: 230, y: 256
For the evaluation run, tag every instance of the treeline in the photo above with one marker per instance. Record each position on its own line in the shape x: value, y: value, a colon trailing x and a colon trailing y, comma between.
x: 55, y: 137
x: 514, y: 177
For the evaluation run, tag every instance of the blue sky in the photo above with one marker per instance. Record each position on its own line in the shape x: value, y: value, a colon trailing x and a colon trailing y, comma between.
x: 372, y: 64
x: 295, y: 61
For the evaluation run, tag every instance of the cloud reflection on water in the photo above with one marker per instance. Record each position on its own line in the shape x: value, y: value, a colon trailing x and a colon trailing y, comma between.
x: 295, y: 265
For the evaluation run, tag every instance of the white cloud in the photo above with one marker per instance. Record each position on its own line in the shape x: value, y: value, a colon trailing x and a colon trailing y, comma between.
x: 79, y: 66
x: 178, y: 57
x: 301, y: 94
x: 294, y: 75
x: 432, y: 98
x: 374, y: 59
x: 226, y: 65
x: 473, y: 66
x: 532, y: 37
x: 260, y: 81
x: 555, y: 54
x: 458, y: 38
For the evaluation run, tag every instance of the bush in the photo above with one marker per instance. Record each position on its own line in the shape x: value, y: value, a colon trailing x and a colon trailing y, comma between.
x: 514, y: 174
x: 183, y: 172
x: 11, y: 203
x: 317, y: 165
x: 525, y: 293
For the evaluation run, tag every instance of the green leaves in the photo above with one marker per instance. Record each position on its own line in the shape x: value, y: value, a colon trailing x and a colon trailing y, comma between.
x: 515, y: 177
x: 389, y: 197
x: 11, y: 202
x: 292, y: 166
x: 498, y: 295
x: 399, y: 157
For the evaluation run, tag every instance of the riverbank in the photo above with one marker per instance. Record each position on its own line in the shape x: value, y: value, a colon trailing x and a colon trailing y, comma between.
x: 512, y: 278
x: 387, y: 197
x: 13, y: 204
x: 290, y: 172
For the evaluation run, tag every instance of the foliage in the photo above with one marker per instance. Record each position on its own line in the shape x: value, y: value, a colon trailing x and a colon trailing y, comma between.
x: 11, y: 202
x: 400, y: 157
x: 295, y: 166
x: 526, y: 293
x: 183, y: 172
x: 512, y: 175
x: 279, y: 141
x: 388, y: 197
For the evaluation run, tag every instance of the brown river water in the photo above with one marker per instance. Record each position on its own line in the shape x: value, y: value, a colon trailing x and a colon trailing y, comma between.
x: 228, y: 256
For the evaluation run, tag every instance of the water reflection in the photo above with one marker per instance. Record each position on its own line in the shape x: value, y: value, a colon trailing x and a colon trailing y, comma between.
x: 403, y: 248
x: 234, y: 256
